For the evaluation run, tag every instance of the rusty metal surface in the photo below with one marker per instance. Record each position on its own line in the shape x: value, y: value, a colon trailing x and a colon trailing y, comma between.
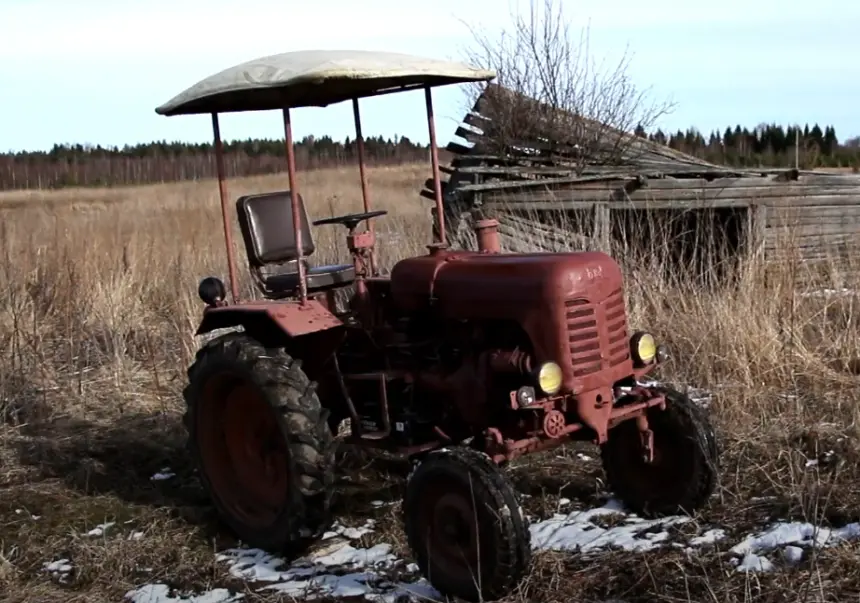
x: 487, y: 234
x: 434, y: 159
x: 292, y: 317
x: 365, y: 195
x: 225, y: 212
x: 294, y: 202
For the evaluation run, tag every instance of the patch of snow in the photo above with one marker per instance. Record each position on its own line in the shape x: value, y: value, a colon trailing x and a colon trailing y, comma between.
x: 59, y: 569
x: 792, y: 554
x: 709, y: 537
x: 165, y: 473
x: 338, y: 570
x: 22, y: 511
x: 160, y: 593
x: 754, y: 563
x: 135, y: 536
x: 794, y: 536
x: 351, y: 533
x: 579, y: 532
x: 382, y: 503
x: 100, y: 530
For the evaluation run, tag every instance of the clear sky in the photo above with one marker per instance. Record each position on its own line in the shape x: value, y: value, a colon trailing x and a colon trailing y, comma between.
x: 93, y: 71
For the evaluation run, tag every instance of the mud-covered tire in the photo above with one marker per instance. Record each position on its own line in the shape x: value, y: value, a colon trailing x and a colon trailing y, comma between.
x: 234, y: 382
x: 473, y: 487
x: 686, y: 468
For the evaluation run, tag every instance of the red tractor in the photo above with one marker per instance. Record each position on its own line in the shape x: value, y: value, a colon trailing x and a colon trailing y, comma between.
x: 460, y: 360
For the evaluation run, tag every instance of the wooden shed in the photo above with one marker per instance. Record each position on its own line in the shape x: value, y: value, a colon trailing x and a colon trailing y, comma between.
x: 547, y: 196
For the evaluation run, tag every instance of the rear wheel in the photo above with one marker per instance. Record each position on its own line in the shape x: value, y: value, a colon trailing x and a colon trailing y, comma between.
x: 684, y: 472
x: 261, y: 442
x: 465, y: 526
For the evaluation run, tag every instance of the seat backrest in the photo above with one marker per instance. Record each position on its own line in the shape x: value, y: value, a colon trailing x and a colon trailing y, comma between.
x: 266, y: 221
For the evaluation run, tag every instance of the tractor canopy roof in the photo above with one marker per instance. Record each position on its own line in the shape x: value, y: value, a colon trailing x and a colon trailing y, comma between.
x: 316, y: 78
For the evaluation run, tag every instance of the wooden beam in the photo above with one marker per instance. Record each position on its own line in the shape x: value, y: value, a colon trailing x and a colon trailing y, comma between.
x: 602, y: 227
x: 458, y: 149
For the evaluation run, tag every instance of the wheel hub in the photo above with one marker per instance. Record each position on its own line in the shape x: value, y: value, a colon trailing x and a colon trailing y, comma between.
x: 452, y: 531
x: 250, y: 469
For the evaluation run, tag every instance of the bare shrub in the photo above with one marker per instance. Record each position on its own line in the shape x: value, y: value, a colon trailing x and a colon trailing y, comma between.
x: 551, y: 88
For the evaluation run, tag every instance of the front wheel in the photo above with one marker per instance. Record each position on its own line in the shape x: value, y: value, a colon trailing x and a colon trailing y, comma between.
x: 684, y: 471
x: 465, y: 526
x: 261, y: 442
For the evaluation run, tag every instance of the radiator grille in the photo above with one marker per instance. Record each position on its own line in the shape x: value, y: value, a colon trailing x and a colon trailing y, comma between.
x: 597, y: 334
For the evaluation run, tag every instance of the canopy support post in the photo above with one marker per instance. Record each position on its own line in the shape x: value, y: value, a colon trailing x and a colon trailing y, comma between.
x: 294, y: 203
x: 365, y: 197
x: 222, y: 190
x: 434, y: 159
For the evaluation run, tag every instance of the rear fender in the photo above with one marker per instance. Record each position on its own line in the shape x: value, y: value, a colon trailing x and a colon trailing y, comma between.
x: 287, y: 324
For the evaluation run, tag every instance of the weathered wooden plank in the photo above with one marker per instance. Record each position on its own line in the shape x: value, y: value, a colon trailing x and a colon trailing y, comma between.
x: 577, y: 198
x: 457, y: 148
x: 569, y: 205
x: 542, y: 183
x: 793, y: 213
x: 777, y: 197
x: 812, y: 220
x: 804, y: 230
x: 765, y: 194
x: 477, y: 120
x: 728, y: 183
x: 468, y: 135
x: 432, y: 185
x: 802, y: 241
x: 520, y: 170
x: 828, y: 179
x: 656, y: 180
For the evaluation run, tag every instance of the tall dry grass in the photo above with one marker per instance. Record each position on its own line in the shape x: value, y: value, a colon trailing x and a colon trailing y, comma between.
x: 99, y: 304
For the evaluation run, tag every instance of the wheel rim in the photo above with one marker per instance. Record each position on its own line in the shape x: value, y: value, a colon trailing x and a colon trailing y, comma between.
x: 243, y: 451
x: 668, y: 475
x: 450, y: 531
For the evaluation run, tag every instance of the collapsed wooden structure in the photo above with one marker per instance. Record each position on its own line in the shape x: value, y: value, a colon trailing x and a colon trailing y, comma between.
x: 599, y: 188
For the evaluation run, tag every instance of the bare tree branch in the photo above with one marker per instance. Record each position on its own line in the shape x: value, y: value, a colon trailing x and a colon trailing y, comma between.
x: 551, y: 89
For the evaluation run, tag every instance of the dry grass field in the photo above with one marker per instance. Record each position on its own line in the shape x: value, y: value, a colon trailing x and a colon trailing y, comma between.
x: 97, y: 311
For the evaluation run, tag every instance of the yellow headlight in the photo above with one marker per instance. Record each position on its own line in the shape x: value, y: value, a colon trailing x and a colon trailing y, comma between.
x: 549, y: 378
x: 645, y: 348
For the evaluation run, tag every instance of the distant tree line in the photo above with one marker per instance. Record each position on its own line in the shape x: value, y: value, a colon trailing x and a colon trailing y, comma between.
x: 766, y: 145
x: 85, y: 165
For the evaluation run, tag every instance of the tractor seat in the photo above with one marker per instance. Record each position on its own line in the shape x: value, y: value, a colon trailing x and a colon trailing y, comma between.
x: 266, y: 222
x: 319, y: 278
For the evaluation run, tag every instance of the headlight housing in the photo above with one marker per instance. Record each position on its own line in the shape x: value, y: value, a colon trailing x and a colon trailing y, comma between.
x: 549, y: 378
x: 643, y: 348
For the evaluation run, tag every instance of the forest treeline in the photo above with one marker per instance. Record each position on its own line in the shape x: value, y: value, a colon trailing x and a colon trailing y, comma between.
x: 766, y: 145
x: 85, y: 165
x: 82, y: 165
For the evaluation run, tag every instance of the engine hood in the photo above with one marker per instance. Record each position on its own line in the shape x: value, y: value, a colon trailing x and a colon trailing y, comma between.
x: 478, y: 285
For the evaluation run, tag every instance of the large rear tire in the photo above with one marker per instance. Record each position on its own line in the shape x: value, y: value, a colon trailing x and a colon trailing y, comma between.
x: 261, y: 443
x: 684, y: 472
x: 465, y: 526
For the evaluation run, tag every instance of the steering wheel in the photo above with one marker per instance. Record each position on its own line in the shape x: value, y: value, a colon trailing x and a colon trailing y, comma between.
x: 350, y: 220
